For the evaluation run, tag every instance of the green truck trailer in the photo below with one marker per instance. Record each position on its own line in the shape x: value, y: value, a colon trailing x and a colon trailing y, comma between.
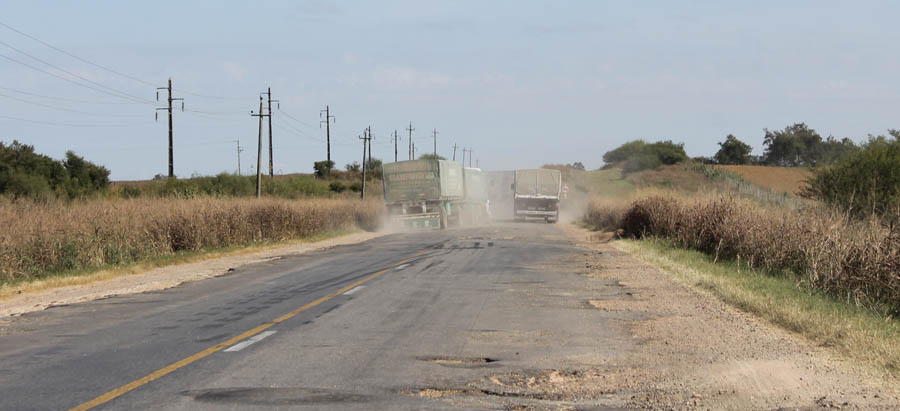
x: 421, y: 194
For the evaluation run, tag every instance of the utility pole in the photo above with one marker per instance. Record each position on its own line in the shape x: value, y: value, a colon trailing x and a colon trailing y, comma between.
x: 365, y: 138
x: 169, y: 88
x: 239, y: 151
x: 396, y: 139
x: 269, y: 94
x: 435, y: 133
x: 470, y: 157
x: 259, y: 147
x: 454, y: 151
x: 464, y: 156
x: 370, y: 142
x: 327, y: 121
x: 412, y: 155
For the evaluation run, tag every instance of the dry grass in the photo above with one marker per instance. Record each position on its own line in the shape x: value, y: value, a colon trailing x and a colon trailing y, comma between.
x: 778, y: 179
x: 857, y: 261
x: 852, y: 331
x: 42, y: 239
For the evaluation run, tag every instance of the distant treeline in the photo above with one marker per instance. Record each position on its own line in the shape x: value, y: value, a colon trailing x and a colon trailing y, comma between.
x: 24, y: 173
x: 861, y: 179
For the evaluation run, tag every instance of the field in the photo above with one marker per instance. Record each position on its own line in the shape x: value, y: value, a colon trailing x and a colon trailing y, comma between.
x: 50, y: 238
x: 778, y: 179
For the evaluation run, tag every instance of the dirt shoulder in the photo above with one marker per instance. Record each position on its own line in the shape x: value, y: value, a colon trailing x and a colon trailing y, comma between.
x: 698, y: 352
x: 105, y: 284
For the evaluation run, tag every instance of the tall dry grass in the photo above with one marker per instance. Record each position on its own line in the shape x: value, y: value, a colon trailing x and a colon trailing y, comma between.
x: 41, y: 238
x: 858, y: 261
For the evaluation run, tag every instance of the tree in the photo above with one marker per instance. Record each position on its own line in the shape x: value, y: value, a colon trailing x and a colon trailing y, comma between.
x: 323, y: 168
x: 733, y: 151
x: 638, y: 155
x: 796, y: 145
x: 431, y: 156
x: 865, y: 182
x: 353, y: 167
x: 373, y: 167
x: 577, y: 165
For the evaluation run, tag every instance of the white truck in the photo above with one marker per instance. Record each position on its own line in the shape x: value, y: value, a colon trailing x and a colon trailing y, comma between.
x: 536, y: 194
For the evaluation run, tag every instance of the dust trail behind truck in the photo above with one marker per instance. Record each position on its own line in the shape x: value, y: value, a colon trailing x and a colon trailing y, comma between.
x: 536, y: 193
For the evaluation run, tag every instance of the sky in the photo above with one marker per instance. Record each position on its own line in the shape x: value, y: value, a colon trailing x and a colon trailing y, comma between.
x: 521, y: 83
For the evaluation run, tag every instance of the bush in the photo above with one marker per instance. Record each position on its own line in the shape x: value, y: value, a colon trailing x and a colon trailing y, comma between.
x: 24, y: 173
x: 867, y: 182
x: 857, y: 261
x: 639, y: 155
x: 337, y: 187
x: 323, y: 168
x: 356, y: 187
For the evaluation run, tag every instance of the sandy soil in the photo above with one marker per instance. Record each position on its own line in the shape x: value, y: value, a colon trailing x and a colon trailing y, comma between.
x: 699, y: 353
x: 160, y: 278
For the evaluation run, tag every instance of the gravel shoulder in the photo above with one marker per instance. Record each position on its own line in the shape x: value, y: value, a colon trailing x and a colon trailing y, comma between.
x: 103, y: 285
x: 698, y: 352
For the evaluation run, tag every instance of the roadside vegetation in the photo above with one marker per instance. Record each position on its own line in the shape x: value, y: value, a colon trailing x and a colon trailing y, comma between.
x: 854, y: 332
x: 64, y: 217
x: 50, y: 238
x: 805, y: 235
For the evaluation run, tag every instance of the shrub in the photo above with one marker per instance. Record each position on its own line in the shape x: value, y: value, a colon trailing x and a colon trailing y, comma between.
x: 323, y: 168
x: 639, y: 155
x: 337, y: 187
x: 850, y: 259
x: 867, y: 182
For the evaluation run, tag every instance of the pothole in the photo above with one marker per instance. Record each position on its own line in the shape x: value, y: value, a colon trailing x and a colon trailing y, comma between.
x: 472, y: 392
x: 274, y: 396
x: 460, y: 361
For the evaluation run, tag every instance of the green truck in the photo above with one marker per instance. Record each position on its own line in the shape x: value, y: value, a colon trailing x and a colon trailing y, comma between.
x: 422, y: 194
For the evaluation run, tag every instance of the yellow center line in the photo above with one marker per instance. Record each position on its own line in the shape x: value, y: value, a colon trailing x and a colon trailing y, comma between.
x: 109, y: 396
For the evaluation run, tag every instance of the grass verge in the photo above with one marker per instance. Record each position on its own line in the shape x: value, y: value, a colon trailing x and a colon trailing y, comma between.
x: 852, y: 331
x: 90, y: 275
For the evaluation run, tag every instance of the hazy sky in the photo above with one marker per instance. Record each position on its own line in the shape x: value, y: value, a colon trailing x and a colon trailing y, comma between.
x: 522, y: 83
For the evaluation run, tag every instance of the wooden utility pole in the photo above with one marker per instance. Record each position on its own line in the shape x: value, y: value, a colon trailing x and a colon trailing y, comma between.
x: 435, y: 133
x: 412, y: 155
x: 365, y: 138
x: 396, y: 139
x: 370, y: 142
x: 239, y: 151
x: 259, y: 148
x: 169, y: 108
x: 470, y: 157
x: 328, y: 119
x: 464, y: 156
x: 269, y: 94
x: 454, y: 151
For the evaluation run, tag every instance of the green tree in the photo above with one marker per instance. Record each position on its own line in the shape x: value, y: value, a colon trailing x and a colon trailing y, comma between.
x: 733, y: 151
x: 323, y: 168
x: 639, y: 155
x: 867, y: 181
x: 353, y: 167
x: 796, y: 145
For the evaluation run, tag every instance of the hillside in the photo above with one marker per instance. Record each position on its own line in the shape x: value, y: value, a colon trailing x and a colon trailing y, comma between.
x: 778, y: 179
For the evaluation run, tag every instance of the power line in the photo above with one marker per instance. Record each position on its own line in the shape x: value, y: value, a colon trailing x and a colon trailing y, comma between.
x: 64, y: 78
x: 68, y: 109
x: 76, y: 57
x: 295, y: 119
x: 69, y: 100
x: 116, y: 72
x: 127, y: 95
x: 53, y: 123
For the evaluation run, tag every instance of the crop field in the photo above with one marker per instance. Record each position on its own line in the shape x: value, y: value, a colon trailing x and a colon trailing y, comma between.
x: 779, y: 179
x: 41, y: 239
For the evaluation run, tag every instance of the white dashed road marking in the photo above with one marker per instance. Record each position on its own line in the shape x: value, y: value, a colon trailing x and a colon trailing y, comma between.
x: 355, y: 289
x: 246, y: 343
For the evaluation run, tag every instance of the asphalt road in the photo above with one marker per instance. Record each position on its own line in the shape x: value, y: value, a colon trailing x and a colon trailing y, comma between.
x: 398, y: 322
